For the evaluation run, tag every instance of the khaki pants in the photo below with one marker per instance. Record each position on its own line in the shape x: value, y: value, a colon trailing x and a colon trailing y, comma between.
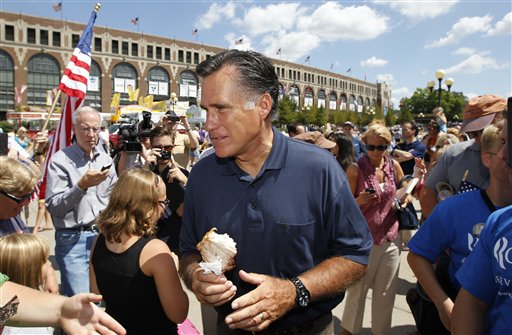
x: 382, y: 278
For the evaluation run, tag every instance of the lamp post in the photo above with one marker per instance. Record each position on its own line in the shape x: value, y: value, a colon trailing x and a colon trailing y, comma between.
x: 430, y: 85
x: 173, y: 100
x: 449, y: 83
x: 440, y: 75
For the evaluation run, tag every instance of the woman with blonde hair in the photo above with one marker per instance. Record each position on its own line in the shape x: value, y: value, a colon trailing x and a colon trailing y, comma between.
x: 134, y: 271
x: 373, y: 183
x: 24, y: 258
x: 22, y: 139
x: 17, y: 183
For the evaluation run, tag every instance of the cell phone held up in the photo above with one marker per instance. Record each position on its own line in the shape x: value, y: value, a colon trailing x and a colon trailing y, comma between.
x: 370, y: 190
x: 106, y: 167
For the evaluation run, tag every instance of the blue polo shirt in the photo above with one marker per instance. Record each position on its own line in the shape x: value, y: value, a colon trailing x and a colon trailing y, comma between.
x: 417, y: 149
x: 296, y: 213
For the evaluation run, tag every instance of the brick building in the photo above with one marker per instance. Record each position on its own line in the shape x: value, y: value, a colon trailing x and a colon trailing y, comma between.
x: 34, y: 52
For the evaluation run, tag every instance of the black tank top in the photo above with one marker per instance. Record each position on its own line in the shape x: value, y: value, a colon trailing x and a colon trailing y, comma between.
x: 130, y: 296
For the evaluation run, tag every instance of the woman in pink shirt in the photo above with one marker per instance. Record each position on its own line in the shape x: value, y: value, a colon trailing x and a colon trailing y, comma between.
x: 372, y: 181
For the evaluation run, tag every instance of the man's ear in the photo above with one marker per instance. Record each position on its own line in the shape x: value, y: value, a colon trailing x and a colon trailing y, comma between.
x: 265, y: 105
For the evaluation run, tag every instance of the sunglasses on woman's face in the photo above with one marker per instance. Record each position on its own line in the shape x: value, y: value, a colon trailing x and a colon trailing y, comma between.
x: 372, y: 147
x: 15, y: 198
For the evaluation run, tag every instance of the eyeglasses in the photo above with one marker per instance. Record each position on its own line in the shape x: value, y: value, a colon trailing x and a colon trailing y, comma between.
x: 165, y: 202
x: 17, y: 199
x: 372, y: 147
x: 86, y: 130
x: 164, y: 147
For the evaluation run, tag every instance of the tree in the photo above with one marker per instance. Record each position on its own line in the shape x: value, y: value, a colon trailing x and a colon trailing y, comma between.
x: 318, y: 116
x: 390, y: 118
x: 424, y: 101
x: 286, y: 112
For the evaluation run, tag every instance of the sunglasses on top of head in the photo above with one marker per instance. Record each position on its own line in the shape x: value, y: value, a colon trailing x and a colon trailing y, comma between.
x: 15, y: 198
x: 371, y: 147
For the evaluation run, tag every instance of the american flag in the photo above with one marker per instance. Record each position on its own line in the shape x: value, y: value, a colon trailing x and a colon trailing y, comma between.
x: 57, y: 7
x: 135, y: 21
x: 239, y: 41
x: 307, y: 59
x: 349, y: 70
x: 74, y: 85
x: 278, y: 51
x: 467, y: 186
x: 194, y: 32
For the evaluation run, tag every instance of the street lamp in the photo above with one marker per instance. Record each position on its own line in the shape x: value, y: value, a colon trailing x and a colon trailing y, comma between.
x: 173, y: 100
x: 440, y: 75
x: 449, y: 83
x: 430, y: 85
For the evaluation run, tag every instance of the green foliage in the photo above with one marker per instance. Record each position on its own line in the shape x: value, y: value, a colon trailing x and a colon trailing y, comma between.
x: 319, y: 117
x: 286, y: 112
x: 390, y: 118
x: 424, y: 101
x: 6, y: 126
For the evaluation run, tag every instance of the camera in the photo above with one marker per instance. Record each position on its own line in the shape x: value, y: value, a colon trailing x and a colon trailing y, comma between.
x: 164, y: 155
x: 130, y: 133
x: 171, y: 116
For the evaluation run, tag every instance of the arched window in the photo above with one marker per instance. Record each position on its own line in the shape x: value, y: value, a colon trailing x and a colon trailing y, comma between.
x: 93, y: 96
x: 352, y: 103
x: 294, y: 94
x: 367, y: 102
x: 124, y: 75
x: 343, y: 102
x: 158, y: 83
x: 188, y: 84
x: 308, y: 96
x: 281, y: 91
x: 6, y: 84
x: 359, y: 105
x: 43, y: 76
x: 321, y: 99
x: 332, y: 101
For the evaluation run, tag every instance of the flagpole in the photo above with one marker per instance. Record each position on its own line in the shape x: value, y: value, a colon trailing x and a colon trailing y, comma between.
x: 57, y: 96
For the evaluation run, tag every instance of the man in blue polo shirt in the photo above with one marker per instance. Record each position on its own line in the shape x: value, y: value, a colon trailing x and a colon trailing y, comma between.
x: 411, y: 148
x: 301, y: 238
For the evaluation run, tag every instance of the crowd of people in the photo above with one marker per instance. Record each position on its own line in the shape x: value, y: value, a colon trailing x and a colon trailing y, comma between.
x: 313, y: 215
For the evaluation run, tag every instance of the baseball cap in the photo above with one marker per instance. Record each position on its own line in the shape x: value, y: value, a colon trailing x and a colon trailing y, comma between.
x: 348, y: 123
x: 481, y: 110
x: 316, y: 138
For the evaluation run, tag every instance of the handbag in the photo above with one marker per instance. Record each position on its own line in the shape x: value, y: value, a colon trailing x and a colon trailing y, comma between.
x: 407, y: 217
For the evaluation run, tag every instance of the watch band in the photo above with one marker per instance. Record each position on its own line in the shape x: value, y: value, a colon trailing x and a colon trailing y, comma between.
x: 303, y: 296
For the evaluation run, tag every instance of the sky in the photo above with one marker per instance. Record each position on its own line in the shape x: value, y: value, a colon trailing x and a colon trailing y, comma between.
x: 400, y: 42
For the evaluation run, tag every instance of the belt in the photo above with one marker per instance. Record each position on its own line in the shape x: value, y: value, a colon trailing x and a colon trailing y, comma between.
x: 305, y: 328
x: 92, y: 228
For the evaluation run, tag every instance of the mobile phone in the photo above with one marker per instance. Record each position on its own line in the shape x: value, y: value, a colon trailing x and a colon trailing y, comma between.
x: 106, y: 167
x: 369, y: 190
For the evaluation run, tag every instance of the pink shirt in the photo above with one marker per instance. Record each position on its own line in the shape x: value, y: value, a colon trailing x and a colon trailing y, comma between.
x: 379, y: 212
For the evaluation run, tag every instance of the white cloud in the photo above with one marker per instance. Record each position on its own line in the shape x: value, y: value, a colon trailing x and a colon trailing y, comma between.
x: 420, y: 10
x: 503, y: 27
x: 475, y: 64
x: 464, y: 51
x: 464, y: 27
x: 294, y: 46
x: 385, y: 77
x: 215, y: 14
x: 260, y: 20
x: 332, y: 22
x: 374, y: 62
x: 471, y: 95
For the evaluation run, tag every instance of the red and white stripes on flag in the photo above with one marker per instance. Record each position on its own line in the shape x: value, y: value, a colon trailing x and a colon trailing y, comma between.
x: 74, y: 85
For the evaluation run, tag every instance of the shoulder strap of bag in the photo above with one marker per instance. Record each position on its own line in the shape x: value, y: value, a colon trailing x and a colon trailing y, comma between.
x: 487, y: 201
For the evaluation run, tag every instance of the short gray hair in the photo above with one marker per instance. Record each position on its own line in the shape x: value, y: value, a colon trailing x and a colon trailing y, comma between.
x: 85, y: 109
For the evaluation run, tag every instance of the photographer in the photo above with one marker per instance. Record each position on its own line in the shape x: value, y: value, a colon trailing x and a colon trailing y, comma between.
x: 161, y: 162
x: 182, y: 143
x: 134, y: 145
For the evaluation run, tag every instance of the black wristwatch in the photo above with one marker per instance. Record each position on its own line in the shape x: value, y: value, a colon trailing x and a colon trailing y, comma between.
x: 303, y: 296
